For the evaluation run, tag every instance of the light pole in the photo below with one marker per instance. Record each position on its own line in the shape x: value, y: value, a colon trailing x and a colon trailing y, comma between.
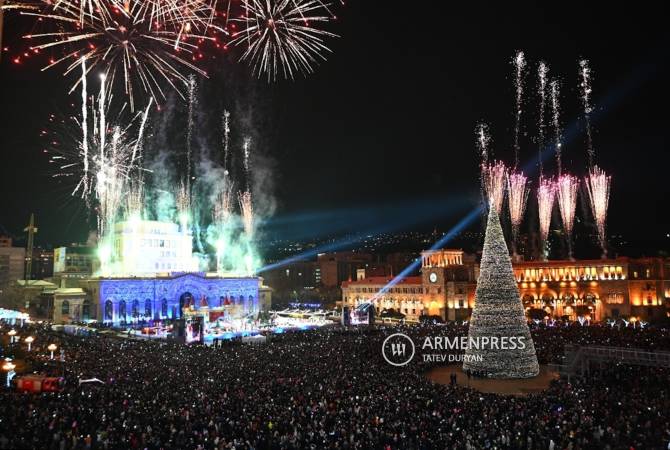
x: 29, y: 340
x: 9, y: 368
x: 52, y: 348
x: 12, y: 335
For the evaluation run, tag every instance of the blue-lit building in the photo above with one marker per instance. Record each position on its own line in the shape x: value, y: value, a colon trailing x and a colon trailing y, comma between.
x: 130, y: 299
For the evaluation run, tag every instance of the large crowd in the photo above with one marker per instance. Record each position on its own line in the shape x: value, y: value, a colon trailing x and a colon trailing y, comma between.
x: 327, y: 388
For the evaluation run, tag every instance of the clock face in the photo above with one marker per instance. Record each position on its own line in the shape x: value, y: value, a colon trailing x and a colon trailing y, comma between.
x: 432, y: 277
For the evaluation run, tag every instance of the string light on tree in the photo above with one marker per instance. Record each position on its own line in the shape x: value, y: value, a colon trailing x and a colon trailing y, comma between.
x: 499, y: 313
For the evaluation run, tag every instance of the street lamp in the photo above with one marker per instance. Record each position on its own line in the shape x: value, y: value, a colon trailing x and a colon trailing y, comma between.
x: 29, y: 340
x: 12, y: 335
x: 9, y: 368
x: 52, y: 348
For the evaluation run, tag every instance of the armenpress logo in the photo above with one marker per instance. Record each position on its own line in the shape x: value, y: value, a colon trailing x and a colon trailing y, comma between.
x: 398, y: 349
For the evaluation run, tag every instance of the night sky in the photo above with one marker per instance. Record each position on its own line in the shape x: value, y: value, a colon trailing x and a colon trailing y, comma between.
x: 389, y: 119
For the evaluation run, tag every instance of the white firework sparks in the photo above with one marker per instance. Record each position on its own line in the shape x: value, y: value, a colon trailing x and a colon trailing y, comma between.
x: 585, y: 87
x: 183, y: 203
x: 546, y: 193
x: 598, y: 187
x: 556, y: 119
x: 519, y: 63
x: 542, y: 72
x: 567, y: 186
x: 281, y: 35
x: 135, y: 199
x: 495, y: 177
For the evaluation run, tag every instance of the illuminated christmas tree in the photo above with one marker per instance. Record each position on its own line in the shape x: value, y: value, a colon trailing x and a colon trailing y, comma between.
x: 499, y: 313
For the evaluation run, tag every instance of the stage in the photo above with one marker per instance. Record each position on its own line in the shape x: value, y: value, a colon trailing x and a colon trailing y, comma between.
x: 521, y: 386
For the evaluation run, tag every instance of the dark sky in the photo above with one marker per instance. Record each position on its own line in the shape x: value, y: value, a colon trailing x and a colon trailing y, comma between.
x: 390, y: 117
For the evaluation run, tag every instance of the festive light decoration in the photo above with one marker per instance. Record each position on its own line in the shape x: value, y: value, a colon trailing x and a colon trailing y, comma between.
x: 585, y: 85
x: 499, y: 313
x: 556, y: 116
x: 598, y: 188
x: 495, y: 176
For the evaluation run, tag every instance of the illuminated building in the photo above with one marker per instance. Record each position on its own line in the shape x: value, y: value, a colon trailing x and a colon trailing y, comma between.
x: 601, y: 288
x: 12, y: 262
x: 149, y: 274
x: 596, y: 289
x: 445, y: 288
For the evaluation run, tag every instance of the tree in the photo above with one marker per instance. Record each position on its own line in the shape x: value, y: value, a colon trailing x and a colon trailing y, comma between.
x: 499, y: 313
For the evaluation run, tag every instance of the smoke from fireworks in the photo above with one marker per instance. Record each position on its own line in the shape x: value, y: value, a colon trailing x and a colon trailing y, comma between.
x: 183, y: 204
x: 495, y: 176
x: 517, y: 197
x: 556, y: 119
x: 567, y: 186
x: 135, y: 200
x: 542, y: 91
x: 117, y: 38
x: 585, y: 85
x: 247, y: 209
x: 519, y: 63
x: 546, y: 192
x: 598, y: 187
x: 282, y: 34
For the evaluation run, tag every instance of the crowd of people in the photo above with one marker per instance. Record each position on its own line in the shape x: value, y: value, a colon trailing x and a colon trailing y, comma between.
x: 326, y: 388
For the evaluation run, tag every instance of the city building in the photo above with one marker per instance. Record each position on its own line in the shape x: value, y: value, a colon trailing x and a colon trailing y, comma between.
x: 445, y: 288
x: 341, y: 266
x: 42, y: 264
x: 12, y: 262
x: 590, y: 289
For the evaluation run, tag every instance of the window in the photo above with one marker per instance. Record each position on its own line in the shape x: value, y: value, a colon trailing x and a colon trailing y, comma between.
x: 136, y: 309
x: 65, y: 308
x: 147, y: 308
x: 122, y: 310
x: 164, y: 309
x: 109, y: 310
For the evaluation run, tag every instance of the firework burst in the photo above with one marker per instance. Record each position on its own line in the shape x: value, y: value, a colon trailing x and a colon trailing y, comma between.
x: 518, y: 191
x: 135, y: 199
x: 118, y: 38
x: 281, y: 36
x: 598, y: 187
x: 567, y: 186
x: 495, y: 176
x: 546, y: 193
x: 183, y: 203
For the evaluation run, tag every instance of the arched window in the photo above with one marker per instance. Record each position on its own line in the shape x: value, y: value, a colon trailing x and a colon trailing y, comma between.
x: 109, y: 310
x: 164, y: 309
x: 241, y: 299
x: 147, y: 309
x: 122, y: 311
x: 136, y: 309
x: 65, y: 308
x: 251, y: 301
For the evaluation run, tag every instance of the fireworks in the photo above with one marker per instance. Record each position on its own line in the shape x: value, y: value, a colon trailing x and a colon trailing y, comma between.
x: 567, y: 186
x: 598, y: 188
x: 546, y: 192
x: 542, y: 91
x: 119, y: 40
x: 495, y: 176
x: 247, y: 209
x: 519, y: 63
x: 189, y: 129
x: 135, y: 200
x: 183, y: 203
x: 281, y: 35
x: 517, y: 196
x: 585, y: 85
x: 555, y: 108
x: 106, y: 156
x: 226, y: 140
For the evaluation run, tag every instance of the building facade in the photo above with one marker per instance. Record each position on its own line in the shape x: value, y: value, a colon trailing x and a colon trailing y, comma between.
x: 445, y: 288
x: 590, y: 289
x: 12, y: 262
x: 121, y: 301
